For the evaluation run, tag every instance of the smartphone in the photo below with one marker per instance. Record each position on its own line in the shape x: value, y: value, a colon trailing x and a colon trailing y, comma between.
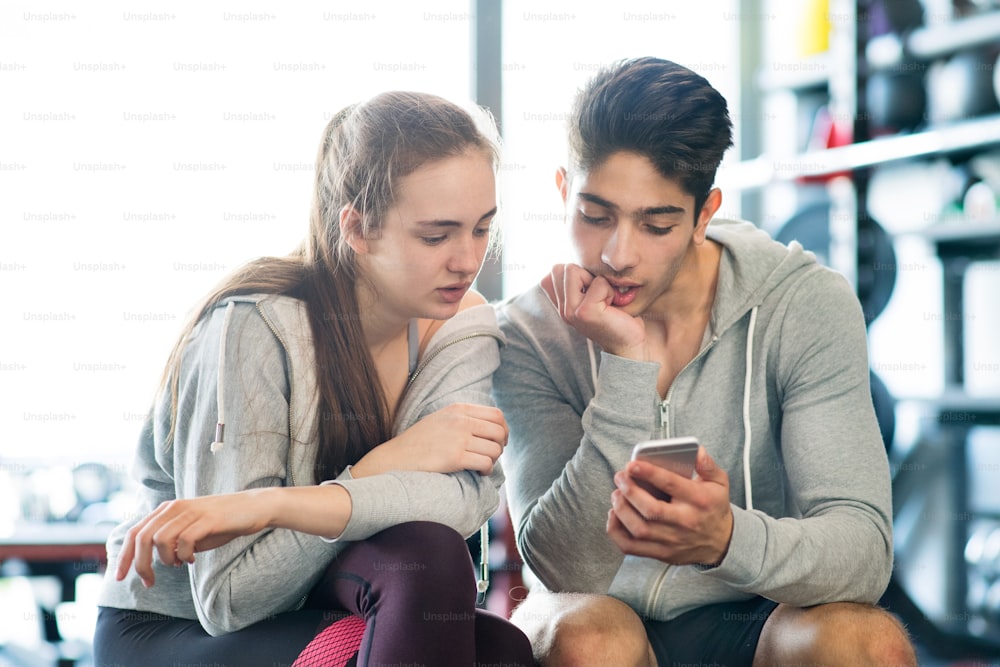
x: 675, y: 454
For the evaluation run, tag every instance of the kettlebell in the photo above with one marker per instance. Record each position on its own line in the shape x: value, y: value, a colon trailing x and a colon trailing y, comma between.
x: 962, y: 86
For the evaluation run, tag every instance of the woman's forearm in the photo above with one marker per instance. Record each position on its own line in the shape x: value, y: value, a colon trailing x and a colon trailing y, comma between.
x: 317, y: 510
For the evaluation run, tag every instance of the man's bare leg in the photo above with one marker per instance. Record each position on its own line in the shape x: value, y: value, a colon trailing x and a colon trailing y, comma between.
x: 841, y: 633
x: 578, y: 630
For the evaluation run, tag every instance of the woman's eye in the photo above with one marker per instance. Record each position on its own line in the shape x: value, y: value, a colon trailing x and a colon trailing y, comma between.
x: 433, y: 240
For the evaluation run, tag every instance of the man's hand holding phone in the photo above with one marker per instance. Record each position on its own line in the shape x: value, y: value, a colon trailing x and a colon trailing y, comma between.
x: 671, y: 503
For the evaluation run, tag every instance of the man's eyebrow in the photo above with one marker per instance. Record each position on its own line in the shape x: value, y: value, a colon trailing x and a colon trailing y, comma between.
x: 662, y: 210
x: 600, y: 201
x: 455, y: 223
x: 668, y: 209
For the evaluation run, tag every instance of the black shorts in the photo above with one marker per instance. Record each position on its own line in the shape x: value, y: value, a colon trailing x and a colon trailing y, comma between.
x: 717, y: 635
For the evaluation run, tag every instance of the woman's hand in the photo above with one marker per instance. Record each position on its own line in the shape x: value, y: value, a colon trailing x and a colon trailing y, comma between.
x: 458, y: 437
x: 179, y: 528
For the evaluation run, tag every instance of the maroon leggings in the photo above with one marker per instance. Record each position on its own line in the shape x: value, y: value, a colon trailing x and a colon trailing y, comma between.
x: 413, y: 586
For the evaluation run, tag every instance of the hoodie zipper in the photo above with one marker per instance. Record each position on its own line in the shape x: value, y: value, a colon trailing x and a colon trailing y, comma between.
x: 428, y: 359
x: 291, y: 432
x: 664, y: 432
x: 665, y: 403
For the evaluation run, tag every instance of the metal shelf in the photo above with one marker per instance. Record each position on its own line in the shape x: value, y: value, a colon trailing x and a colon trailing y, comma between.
x: 954, y: 137
x: 933, y: 42
x: 975, y: 240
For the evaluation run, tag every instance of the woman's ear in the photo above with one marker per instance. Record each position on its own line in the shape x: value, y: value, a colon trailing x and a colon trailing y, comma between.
x: 352, y: 229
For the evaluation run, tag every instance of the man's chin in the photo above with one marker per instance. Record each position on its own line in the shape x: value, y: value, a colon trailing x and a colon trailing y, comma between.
x: 634, y: 309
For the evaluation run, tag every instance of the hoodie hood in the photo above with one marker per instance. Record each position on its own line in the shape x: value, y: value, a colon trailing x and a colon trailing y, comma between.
x: 748, y: 275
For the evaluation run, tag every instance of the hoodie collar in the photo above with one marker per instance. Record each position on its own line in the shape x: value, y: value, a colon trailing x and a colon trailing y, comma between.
x: 752, y: 264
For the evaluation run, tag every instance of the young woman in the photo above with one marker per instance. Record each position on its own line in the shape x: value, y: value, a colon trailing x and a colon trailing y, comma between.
x: 324, y: 436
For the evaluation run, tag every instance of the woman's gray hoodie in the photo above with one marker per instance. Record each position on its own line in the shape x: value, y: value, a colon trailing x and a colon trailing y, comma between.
x: 779, y: 396
x: 266, y: 385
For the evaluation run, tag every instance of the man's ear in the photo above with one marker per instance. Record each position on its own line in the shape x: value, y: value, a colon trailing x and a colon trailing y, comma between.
x: 352, y: 229
x: 562, y: 183
x: 708, y: 210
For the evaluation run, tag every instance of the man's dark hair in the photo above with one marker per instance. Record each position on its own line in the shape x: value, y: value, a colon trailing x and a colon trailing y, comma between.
x: 658, y: 109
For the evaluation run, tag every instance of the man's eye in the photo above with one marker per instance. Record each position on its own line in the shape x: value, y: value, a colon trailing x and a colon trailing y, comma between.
x: 433, y: 240
x: 658, y: 231
x: 592, y: 220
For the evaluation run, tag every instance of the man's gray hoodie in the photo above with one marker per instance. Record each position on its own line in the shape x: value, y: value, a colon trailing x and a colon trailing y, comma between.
x: 253, y: 355
x: 778, y: 395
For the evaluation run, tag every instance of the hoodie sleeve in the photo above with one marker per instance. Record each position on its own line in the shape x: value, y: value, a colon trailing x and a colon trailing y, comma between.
x: 461, y: 371
x: 564, y: 449
x: 251, y: 577
x: 835, y: 463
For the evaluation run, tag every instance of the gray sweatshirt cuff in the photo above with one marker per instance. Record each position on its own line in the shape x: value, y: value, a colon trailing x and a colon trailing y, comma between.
x: 744, y: 560
x: 625, y: 387
x: 373, y: 505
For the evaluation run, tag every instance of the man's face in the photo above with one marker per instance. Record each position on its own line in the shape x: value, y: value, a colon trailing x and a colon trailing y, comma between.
x: 632, y: 226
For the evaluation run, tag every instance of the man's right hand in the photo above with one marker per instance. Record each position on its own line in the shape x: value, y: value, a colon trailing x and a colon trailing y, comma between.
x: 584, y: 302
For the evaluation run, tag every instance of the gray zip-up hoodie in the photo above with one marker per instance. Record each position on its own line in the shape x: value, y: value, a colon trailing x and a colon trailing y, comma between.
x: 255, y: 360
x: 778, y: 395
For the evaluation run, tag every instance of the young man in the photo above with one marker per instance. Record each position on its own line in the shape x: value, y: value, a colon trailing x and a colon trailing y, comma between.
x: 777, y: 550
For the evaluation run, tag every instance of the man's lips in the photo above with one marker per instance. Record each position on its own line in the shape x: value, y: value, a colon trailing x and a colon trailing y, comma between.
x: 623, y: 298
x: 624, y: 292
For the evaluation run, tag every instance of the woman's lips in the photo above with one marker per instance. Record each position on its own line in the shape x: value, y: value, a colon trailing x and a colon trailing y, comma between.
x: 453, y: 293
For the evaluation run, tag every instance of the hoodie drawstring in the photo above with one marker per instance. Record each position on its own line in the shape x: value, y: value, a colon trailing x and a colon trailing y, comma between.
x: 593, y: 363
x: 220, y: 391
x: 748, y: 376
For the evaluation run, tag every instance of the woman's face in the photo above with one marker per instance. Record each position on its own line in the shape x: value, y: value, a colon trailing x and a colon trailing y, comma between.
x: 434, y: 237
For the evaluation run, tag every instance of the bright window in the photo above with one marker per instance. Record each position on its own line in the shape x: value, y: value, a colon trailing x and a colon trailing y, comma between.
x: 145, y: 151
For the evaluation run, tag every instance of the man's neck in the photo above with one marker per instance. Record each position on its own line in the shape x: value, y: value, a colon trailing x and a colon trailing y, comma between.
x: 692, y: 292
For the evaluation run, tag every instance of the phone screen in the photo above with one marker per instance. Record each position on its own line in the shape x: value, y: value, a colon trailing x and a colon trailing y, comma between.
x: 675, y: 454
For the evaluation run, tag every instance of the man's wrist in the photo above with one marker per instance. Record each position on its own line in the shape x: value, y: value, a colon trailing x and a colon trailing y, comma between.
x: 632, y: 352
x: 725, y: 549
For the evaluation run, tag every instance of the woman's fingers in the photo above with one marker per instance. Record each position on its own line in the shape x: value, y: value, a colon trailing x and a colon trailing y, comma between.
x: 125, y: 556
x: 481, y: 459
x: 488, y: 430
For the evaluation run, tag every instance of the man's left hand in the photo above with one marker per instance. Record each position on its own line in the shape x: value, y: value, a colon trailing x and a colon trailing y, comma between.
x: 694, y: 526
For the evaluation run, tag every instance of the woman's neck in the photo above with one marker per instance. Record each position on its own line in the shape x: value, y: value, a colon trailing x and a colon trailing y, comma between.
x: 380, y: 326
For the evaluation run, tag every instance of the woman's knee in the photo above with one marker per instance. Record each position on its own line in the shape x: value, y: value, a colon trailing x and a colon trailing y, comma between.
x: 422, y: 559
x: 424, y: 547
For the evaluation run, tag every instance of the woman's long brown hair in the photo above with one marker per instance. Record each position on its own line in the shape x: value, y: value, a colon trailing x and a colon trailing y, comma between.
x: 366, y: 149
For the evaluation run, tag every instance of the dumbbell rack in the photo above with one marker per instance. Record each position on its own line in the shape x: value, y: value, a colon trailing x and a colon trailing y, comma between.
x: 965, y: 621
x: 941, y: 451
